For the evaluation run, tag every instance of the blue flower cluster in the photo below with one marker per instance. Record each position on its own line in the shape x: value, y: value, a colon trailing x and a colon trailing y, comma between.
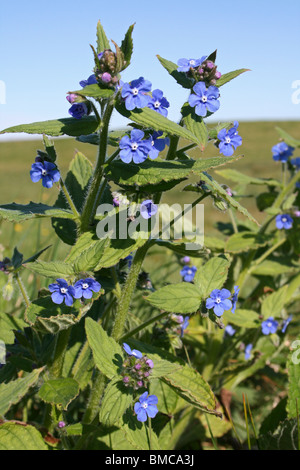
x: 45, y: 171
x: 135, y: 148
x: 82, y: 289
x: 136, y: 96
x: 219, y: 300
x: 229, y: 140
x: 135, y: 371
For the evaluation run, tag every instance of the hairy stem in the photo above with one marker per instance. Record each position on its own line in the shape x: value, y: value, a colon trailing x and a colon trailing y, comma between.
x: 92, y: 199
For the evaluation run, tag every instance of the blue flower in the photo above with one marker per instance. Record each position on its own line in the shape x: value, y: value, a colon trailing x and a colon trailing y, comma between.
x: 46, y: 171
x: 134, y: 148
x: 184, y: 325
x: 78, y: 110
x: 235, y: 298
x: 90, y: 81
x: 62, y: 292
x: 157, y: 144
x: 146, y: 406
x: 85, y: 288
x: 284, y: 221
x: 132, y: 352
x: 229, y: 140
x: 159, y: 103
x: 269, y: 326
x: 296, y: 162
x: 219, y: 301
x: 286, y: 322
x: 229, y: 330
x: 148, y: 209
x: 129, y: 259
x: 282, y: 152
x: 188, y: 273
x: 134, y: 93
x: 248, y: 350
x: 204, y: 99
x: 186, y: 64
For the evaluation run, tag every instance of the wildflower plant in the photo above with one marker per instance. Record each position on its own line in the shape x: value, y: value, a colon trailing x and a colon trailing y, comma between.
x: 103, y: 352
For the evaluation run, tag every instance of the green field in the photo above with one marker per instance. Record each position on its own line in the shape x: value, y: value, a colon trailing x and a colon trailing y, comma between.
x: 17, y: 157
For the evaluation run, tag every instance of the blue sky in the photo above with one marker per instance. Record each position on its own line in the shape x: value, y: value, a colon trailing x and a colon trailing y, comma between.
x: 45, y: 52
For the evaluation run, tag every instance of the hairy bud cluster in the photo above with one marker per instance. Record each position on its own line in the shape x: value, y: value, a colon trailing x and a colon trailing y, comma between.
x: 5, y: 265
x: 136, y: 371
x: 107, y: 69
x: 207, y: 72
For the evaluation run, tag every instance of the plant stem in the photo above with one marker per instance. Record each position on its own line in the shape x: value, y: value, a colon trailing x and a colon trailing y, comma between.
x: 60, y: 352
x: 92, y: 199
x: 127, y: 292
x: 22, y: 289
x: 96, y: 393
x: 69, y: 199
x: 150, y: 433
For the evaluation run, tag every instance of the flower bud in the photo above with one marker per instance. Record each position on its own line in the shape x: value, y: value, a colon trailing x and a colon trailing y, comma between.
x: 140, y: 383
x: 106, y: 77
x: 218, y: 75
x: 126, y: 379
x: 61, y: 424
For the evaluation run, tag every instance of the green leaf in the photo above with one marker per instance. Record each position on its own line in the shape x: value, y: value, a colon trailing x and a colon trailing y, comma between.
x: 59, y: 391
x: 227, y: 77
x: 243, y: 318
x: 94, y: 91
x: 241, y: 178
x: 273, y: 420
x: 77, y: 182
x: 169, y: 400
x: 274, y: 303
x: 9, y: 323
x: 284, y: 438
x: 117, y: 250
x: 240, y: 242
x: 294, y: 382
x: 17, y: 259
x: 180, y: 77
x: 273, y: 268
x: 127, y: 46
x: 108, y: 354
x: 180, y: 248
x: 195, y: 125
x: 193, y: 388
x: 217, y: 189
x: 19, y: 212
x: 137, y: 433
x: 12, y: 392
x: 52, y: 269
x: 64, y: 126
x: 149, y: 118
x: 14, y: 436
x: 117, y: 398
x: 90, y: 258
x: 179, y: 298
x: 102, y: 41
x: 34, y: 257
x: 151, y: 173
x: 288, y: 138
x: 46, y: 316
x: 212, y: 275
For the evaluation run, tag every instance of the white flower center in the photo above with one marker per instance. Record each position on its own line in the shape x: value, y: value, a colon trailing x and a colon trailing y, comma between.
x: 63, y: 290
x: 135, y: 91
x: 192, y: 62
x: 269, y: 324
x: 227, y: 140
x: 157, y: 104
x: 284, y: 219
x: 218, y: 300
x: 44, y: 172
x: 152, y: 143
x: 134, y: 146
x: 204, y: 99
x: 85, y: 286
x: 144, y: 405
x: 189, y: 271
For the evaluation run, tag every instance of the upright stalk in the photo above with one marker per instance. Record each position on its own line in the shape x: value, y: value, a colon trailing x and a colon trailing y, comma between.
x: 92, y: 199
